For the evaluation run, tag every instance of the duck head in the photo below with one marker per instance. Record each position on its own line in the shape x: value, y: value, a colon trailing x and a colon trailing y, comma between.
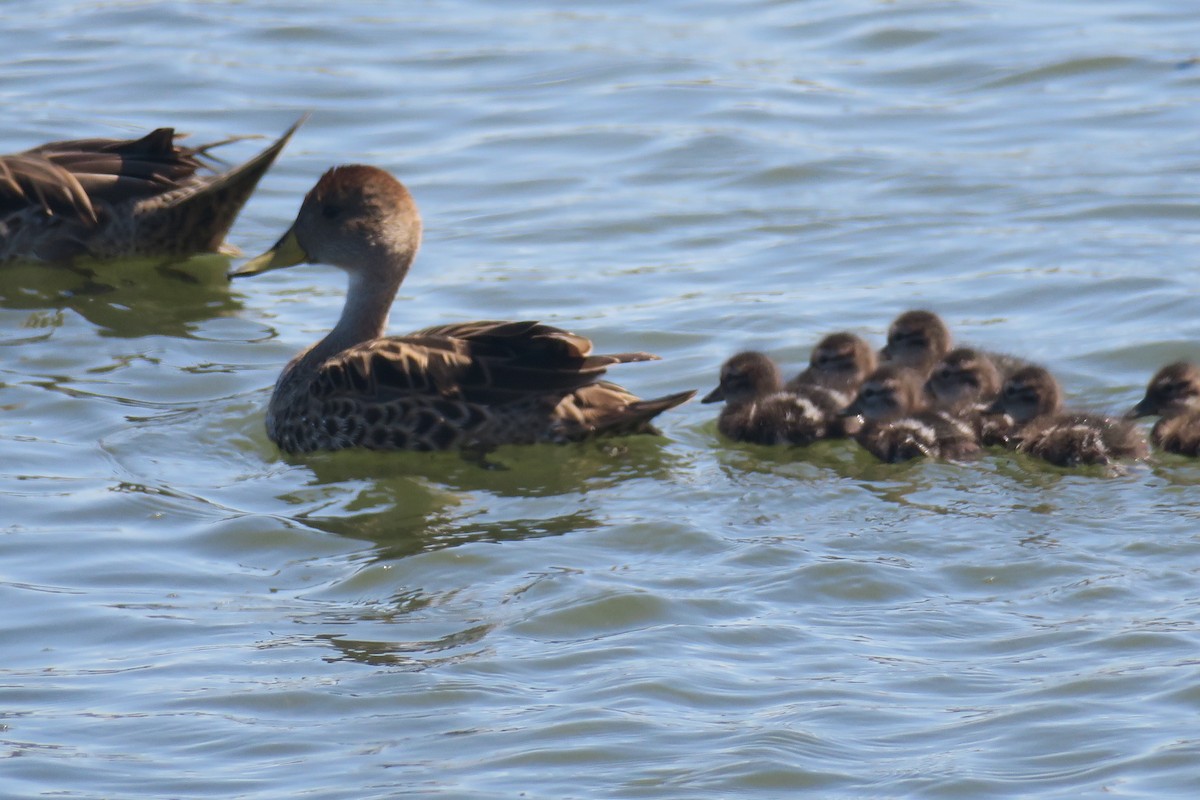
x: 744, y: 377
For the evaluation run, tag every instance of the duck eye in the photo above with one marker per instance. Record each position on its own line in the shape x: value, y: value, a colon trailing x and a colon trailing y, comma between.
x: 330, y: 211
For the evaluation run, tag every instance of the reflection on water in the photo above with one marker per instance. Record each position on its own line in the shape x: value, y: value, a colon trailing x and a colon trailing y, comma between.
x: 125, y: 299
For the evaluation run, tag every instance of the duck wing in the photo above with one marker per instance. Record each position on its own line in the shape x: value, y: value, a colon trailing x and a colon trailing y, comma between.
x: 73, y: 178
x: 486, y: 363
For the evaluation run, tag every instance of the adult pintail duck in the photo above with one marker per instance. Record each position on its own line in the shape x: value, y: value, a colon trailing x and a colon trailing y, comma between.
x: 1032, y: 399
x: 758, y: 409
x: 898, y: 424
x: 1173, y: 393
x: 121, y: 198
x: 471, y: 386
x: 840, y: 362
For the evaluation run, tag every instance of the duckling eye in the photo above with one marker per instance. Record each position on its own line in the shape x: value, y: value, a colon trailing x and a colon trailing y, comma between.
x: 330, y: 211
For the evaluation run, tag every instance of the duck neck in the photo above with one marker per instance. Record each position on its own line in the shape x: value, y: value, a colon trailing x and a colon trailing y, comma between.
x: 364, y: 316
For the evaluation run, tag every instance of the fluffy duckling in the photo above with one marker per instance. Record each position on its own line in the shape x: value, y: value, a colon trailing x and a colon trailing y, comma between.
x: 963, y: 384
x: 759, y: 411
x: 840, y: 362
x: 917, y: 340
x: 1174, y: 393
x: 899, y: 426
x: 1032, y: 399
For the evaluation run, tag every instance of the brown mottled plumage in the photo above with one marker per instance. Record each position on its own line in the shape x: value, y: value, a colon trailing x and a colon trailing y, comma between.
x: 1033, y: 401
x: 758, y: 409
x: 119, y: 198
x: 840, y: 362
x: 916, y: 340
x: 963, y: 384
x: 899, y: 425
x: 472, y: 385
x: 1173, y: 393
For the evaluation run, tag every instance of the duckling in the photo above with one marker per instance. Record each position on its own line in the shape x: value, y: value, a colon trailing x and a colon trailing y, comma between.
x: 1174, y: 393
x: 840, y: 362
x: 917, y: 340
x: 470, y: 386
x: 759, y: 411
x: 899, y: 425
x: 1033, y: 401
x: 122, y: 198
x: 963, y: 384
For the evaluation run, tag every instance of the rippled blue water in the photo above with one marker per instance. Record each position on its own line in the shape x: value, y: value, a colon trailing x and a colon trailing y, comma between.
x: 187, y: 614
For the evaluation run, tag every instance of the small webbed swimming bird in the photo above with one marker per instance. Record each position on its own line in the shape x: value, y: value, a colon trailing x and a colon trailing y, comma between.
x: 1033, y: 401
x: 964, y: 383
x: 917, y: 340
x: 122, y: 198
x: 899, y: 425
x: 1174, y: 394
x: 758, y: 409
x: 840, y: 362
x: 473, y: 385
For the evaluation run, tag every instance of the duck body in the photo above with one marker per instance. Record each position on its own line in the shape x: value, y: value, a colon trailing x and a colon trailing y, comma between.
x: 1173, y: 393
x: 963, y: 384
x: 1031, y: 398
x: 898, y: 424
x: 758, y: 410
x: 471, y: 386
x: 840, y: 362
x: 121, y: 198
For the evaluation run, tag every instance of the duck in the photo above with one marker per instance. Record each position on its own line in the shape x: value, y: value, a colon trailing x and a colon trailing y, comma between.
x: 964, y: 383
x: 898, y: 423
x: 839, y: 363
x: 471, y: 386
x: 104, y: 198
x: 758, y: 409
x: 917, y: 340
x: 1174, y: 394
x: 920, y: 339
x: 1032, y: 400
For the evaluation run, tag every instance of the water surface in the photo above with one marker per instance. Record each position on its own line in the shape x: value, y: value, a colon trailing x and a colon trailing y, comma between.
x: 189, y: 614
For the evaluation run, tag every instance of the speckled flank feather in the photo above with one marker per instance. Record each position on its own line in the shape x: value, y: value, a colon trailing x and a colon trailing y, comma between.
x: 115, y: 198
x: 476, y: 385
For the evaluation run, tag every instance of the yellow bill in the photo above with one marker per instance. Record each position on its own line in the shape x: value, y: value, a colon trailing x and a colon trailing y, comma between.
x: 287, y: 252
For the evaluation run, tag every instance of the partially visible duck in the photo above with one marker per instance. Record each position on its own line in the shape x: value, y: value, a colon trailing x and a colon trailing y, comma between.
x: 917, y: 340
x: 964, y: 384
x: 898, y: 424
x: 121, y: 198
x: 1032, y: 399
x: 471, y: 385
x: 1173, y: 393
x: 840, y: 362
x: 758, y: 409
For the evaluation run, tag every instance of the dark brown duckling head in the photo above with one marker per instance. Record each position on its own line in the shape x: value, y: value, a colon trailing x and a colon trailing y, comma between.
x: 917, y: 340
x: 1030, y: 392
x: 1173, y: 390
x: 744, y: 377
x: 840, y: 361
x: 964, y: 378
x: 889, y: 392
